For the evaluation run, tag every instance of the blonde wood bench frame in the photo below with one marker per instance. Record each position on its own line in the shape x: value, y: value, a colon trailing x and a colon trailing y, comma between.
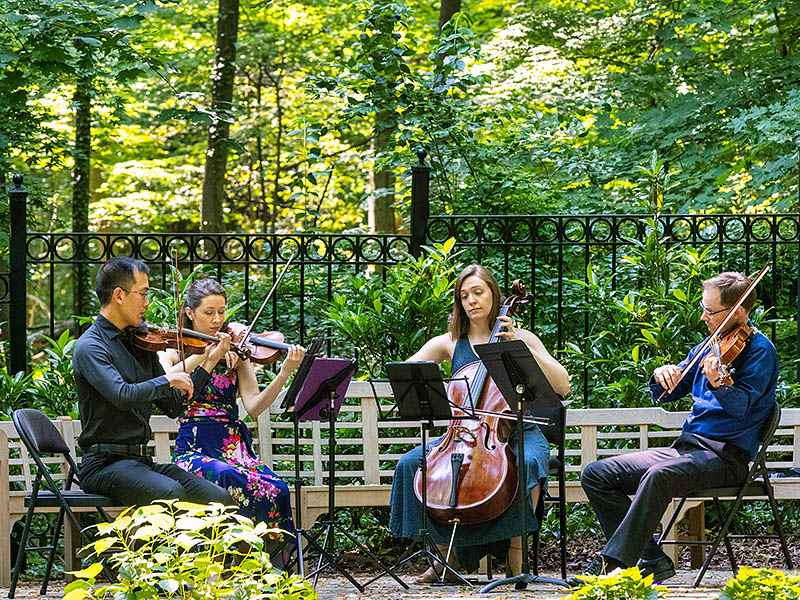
x: 370, y: 461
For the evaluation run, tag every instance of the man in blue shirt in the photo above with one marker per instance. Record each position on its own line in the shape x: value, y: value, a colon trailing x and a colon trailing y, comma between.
x: 718, y: 440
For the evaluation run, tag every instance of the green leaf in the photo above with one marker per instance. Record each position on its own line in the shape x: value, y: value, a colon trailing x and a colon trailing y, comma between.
x: 127, y: 22
x: 89, y: 41
x: 102, y: 545
x: 169, y: 585
x: 89, y: 572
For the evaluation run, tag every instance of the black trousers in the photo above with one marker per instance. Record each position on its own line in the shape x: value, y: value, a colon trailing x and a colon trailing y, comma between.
x: 136, y: 481
x: 653, y: 478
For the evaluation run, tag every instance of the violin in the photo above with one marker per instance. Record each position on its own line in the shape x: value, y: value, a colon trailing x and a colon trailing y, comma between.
x: 721, y: 327
x: 263, y: 348
x: 157, y: 339
x: 727, y: 348
x: 472, y: 470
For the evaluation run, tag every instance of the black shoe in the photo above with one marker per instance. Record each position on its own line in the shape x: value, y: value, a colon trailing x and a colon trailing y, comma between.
x: 660, y: 568
x: 600, y: 565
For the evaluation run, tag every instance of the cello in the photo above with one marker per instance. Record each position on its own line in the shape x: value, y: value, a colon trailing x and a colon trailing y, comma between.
x: 472, y: 470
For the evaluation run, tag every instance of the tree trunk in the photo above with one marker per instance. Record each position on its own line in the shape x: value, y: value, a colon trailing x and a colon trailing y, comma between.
x: 446, y: 10
x: 265, y: 213
x: 81, y: 189
x: 221, y: 99
x: 381, y: 210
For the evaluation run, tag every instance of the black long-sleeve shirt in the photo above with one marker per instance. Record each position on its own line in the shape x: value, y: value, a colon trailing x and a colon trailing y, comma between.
x: 117, y: 386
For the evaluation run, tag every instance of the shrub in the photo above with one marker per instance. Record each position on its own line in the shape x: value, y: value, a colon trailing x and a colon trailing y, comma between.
x: 54, y: 385
x: 652, y: 318
x: 619, y: 585
x: 761, y: 584
x: 174, y: 549
x: 389, y: 318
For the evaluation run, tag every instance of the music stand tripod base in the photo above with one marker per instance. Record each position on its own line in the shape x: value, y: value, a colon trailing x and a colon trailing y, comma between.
x: 320, y: 398
x: 521, y: 381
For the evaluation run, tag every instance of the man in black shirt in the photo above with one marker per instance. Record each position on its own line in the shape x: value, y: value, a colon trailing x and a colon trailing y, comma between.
x: 117, y: 385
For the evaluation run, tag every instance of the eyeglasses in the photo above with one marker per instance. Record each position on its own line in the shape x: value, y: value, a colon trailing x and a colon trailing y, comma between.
x: 711, y: 313
x: 145, y: 294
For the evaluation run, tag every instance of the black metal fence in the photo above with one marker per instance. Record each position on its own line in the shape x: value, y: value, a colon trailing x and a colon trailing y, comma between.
x: 549, y: 252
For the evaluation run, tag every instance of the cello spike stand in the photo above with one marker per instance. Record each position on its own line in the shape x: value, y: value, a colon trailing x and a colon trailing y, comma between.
x: 521, y: 381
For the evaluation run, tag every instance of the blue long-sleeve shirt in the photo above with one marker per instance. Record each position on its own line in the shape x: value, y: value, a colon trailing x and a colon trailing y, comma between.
x: 736, y: 413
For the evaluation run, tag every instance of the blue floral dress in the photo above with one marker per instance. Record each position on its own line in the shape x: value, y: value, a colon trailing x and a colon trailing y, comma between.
x: 214, y: 444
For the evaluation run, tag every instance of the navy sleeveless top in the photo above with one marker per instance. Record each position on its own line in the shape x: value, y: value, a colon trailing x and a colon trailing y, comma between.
x: 463, y: 354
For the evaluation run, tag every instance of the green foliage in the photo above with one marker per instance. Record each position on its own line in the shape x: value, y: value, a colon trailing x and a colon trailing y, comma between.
x: 761, y: 584
x: 163, y: 307
x: 14, y: 390
x: 619, y: 585
x: 581, y: 522
x: 388, y: 316
x: 650, y: 322
x: 525, y: 107
x: 55, y: 392
x: 48, y: 45
x: 182, y: 550
x: 364, y: 524
x: 49, y: 388
x: 436, y: 106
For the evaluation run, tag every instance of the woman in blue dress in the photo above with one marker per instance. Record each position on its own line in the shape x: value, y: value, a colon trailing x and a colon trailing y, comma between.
x: 476, y: 305
x: 212, y: 441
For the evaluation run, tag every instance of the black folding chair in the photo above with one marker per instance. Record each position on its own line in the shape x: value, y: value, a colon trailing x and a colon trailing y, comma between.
x: 756, y: 486
x: 40, y: 437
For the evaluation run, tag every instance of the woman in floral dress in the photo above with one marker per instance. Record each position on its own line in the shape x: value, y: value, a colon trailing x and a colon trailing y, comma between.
x: 212, y: 441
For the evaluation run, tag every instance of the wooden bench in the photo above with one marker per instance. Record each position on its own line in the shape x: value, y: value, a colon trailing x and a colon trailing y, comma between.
x: 368, y: 448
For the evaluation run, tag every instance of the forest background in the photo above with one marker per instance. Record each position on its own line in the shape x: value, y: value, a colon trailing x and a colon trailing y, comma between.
x: 305, y: 115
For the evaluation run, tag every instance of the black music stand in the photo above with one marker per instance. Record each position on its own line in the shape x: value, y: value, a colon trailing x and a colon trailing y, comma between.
x: 420, y: 395
x: 521, y: 381
x: 287, y: 404
x: 320, y: 397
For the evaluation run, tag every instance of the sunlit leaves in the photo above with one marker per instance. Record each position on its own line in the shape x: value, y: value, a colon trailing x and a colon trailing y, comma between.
x: 217, y: 554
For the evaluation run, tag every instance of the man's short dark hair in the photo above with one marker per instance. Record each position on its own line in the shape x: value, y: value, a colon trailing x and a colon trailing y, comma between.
x: 120, y: 272
x: 731, y: 285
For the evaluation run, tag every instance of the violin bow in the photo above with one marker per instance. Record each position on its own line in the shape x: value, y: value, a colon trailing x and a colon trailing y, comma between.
x: 720, y: 327
x: 249, y: 330
x: 179, y: 313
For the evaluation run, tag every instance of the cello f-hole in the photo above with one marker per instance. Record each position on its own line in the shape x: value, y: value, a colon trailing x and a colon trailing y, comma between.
x: 487, y: 438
